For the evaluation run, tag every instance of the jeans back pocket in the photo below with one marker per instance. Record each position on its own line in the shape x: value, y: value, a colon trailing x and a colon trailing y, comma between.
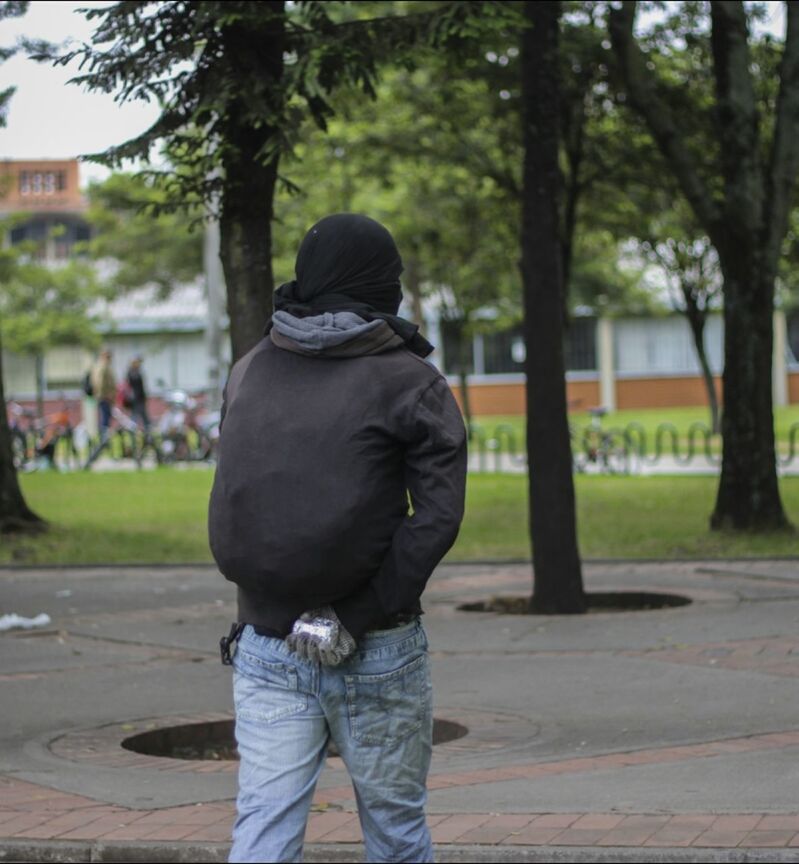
x: 386, y: 707
x: 265, y: 691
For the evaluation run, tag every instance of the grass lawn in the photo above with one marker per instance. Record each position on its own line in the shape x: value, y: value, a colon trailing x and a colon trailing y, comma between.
x: 159, y: 516
x: 618, y: 517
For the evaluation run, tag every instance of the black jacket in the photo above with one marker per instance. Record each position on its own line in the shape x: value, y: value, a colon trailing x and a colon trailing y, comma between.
x: 318, y: 456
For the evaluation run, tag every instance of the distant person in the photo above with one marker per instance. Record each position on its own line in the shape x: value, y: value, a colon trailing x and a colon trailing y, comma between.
x: 331, y: 425
x: 137, y: 393
x: 104, y: 390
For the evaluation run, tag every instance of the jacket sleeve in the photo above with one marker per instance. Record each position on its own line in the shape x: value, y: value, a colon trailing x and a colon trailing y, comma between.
x: 435, y: 475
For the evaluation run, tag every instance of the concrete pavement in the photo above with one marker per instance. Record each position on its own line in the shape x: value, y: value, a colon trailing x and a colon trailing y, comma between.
x: 662, y: 735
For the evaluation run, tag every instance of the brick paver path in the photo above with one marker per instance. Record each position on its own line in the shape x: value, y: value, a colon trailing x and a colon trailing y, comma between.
x: 29, y: 811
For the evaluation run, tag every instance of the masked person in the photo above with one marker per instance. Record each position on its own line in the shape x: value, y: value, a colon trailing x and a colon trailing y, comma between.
x: 331, y: 424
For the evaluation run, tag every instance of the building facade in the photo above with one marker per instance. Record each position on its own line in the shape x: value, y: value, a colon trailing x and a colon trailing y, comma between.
x: 621, y: 363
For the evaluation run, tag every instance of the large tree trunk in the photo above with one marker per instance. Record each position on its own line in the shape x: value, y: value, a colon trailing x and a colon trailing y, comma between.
x: 746, y: 225
x: 250, y: 178
x: 558, y: 584
x: 15, y: 515
x: 245, y: 234
x: 748, y: 495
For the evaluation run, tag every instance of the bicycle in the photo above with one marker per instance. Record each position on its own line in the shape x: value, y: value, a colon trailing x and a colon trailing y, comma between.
x: 46, y: 442
x: 188, y: 431
x: 599, y: 447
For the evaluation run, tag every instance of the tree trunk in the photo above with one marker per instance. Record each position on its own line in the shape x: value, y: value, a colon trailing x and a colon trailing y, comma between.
x: 466, y: 403
x: 15, y: 515
x: 40, y: 385
x: 462, y: 370
x: 558, y: 584
x: 414, y: 286
x: 250, y: 178
x: 748, y: 495
x: 245, y: 232
x: 746, y: 225
x: 696, y: 321
x: 572, y: 187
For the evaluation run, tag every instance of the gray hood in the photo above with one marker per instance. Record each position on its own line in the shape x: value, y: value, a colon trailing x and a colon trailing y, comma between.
x: 332, y: 334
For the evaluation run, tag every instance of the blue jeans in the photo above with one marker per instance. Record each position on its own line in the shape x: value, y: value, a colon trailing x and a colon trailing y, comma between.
x: 376, y: 707
x: 104, y: 417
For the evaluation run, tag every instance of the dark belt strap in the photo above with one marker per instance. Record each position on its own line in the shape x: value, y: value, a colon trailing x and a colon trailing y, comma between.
x: 227, y: 642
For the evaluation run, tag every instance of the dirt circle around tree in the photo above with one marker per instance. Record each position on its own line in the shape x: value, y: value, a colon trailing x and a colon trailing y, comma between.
x: 596, y: 601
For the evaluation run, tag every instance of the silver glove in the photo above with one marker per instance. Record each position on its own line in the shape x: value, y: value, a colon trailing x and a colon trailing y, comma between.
x: 319, y: 636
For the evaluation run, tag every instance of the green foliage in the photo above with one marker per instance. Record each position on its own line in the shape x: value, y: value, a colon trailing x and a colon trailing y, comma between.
x: 606, y: 280
x: 442, y: 169
x: 200, y: 62
x: 788, y: 282
x: 9, y: 9
x: 455, y: 229
x: 41, y: 305
x: 148, y: 242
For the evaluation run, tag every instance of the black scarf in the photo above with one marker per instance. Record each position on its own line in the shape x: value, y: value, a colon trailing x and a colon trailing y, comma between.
x: 349, y: 263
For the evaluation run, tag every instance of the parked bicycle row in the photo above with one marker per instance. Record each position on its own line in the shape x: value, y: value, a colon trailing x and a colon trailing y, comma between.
x: 186, y: 431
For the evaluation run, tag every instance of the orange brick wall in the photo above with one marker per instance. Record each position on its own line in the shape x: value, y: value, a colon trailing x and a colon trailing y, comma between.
x: 67, y: 200
x: 630, y: 393
x: 793, y: 388
x: 488, y: 399
x: 661, y: 392
x: 494, y: 398
x: 582, y: 395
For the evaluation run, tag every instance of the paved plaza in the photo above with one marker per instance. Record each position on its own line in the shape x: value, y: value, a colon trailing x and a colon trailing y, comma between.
x: 660, y: 735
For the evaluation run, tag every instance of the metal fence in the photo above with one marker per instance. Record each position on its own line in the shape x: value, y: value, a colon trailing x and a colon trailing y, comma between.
x: 619, y: 450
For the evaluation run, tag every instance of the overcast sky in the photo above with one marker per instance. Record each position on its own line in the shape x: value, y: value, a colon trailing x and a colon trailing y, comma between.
x: 50, y: 119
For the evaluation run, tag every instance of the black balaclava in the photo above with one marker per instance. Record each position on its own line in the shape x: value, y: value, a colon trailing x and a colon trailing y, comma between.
x: 349, y: 263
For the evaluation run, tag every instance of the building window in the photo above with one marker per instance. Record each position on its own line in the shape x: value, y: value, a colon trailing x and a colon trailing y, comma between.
x: 579, y: 345
x: 42, y: 182
x: 456, y: 346
x: 504, y: 352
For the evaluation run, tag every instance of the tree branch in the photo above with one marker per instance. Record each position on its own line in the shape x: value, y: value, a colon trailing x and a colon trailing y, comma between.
x: 784, y: 160
x: 642, y: 93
